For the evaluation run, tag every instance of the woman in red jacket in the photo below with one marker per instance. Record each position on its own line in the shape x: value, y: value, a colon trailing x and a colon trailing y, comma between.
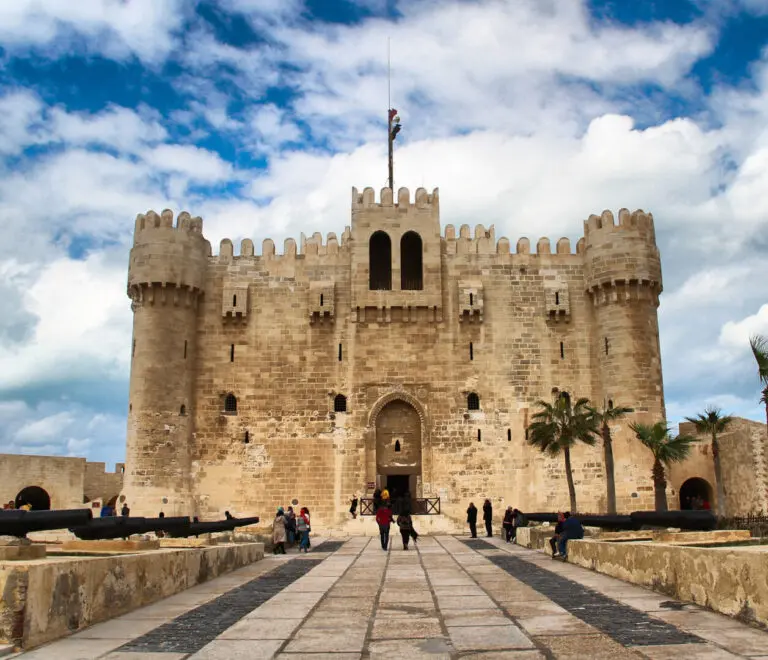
x: 384, y: 520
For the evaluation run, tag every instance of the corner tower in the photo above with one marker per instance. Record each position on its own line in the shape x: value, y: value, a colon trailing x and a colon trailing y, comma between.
x: 166, y: 277
x: 623, y: 278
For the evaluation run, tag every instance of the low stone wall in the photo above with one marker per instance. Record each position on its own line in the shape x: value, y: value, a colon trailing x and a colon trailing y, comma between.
x: 729, y: 580
x: 535, y: 538
x: 46, y: 599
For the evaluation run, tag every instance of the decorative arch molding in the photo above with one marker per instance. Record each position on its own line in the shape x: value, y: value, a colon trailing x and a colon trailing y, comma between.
x: 400, y: 395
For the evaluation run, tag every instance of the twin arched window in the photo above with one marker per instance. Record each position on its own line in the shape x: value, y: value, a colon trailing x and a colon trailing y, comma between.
x: 380, y: 262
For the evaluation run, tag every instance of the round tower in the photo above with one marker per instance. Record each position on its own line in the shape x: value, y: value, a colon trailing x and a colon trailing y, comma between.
x: 623, y: 277
x: 166, y: 276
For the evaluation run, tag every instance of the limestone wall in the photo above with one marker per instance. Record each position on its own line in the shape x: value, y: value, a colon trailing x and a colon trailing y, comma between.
x: 62, y: 478
x: 100, y: 484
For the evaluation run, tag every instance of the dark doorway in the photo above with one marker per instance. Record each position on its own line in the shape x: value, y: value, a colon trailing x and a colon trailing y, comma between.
x: 397, y: 484
x: 695, y: 493
x: 411, y: 276
x: 380, y: 262
x: 34, y: 495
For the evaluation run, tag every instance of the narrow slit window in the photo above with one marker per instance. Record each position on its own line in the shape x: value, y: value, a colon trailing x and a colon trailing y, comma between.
x: 185, y: 349
x: 607, y: 345
x: 322, y: 299
x: 340, y: 404
x: 230, y: 403
x: 183, y: 410
x: 247, y: 438
x: 234, y: 300
x: 473, y: 401
x: 133, y: 348
x: 479, y: 435
x: 340, y: 353
x: 471, y: 300
x: 562, y: 350
x: 610, y: 404
x: 509, y: 435
x: 397, y: 445
x: 231, y: 352
x: 557, y: 297
x: 471, y: 351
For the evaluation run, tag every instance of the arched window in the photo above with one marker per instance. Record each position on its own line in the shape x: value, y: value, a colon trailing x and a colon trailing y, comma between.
x: 183, y: 410
x: 397, y: 445
x: 411, y: 278
x: 230, y: 403
x: 473, y: 401
x: 340, y: 403
x: 380, y: 262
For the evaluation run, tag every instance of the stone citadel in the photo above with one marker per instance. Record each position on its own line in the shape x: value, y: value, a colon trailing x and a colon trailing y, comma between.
x: 395, y: 355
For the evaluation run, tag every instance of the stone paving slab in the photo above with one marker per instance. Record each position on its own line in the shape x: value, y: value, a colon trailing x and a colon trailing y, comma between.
x: 399, y: 628
x: 472, y: 638
x: 688, y: 652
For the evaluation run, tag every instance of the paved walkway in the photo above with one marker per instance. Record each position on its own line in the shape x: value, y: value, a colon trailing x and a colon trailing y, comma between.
x: 450, y: 598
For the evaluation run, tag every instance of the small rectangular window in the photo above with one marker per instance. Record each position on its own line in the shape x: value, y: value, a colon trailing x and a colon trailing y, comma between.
x: 562, y: 350
x: 231, y: 352
x: 340, y: 353
x: 471, y: 351
x: 185, y: 349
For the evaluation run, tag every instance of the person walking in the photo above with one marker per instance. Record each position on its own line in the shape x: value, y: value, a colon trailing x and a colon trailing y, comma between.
x: 384, y: 520
x: 376, y: 499
x: 290, y: 526
x: 303, y: 528
x: 405, y: 523
x: 488, y: 517
x: 278, y: 533
x: 472, y: 519
x: 508, y: 523
x: 309, y: 524
x: 353, y: 507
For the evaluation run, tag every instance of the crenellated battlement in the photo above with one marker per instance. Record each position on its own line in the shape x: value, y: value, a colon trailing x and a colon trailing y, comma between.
x: 308, y: 246
x: 596, y: 227
x: 151, y: 221
x: 484, y: 242
x: 421, y: 199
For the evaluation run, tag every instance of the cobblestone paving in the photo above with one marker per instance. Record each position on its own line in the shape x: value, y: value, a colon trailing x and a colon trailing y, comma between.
x: 447, y: 598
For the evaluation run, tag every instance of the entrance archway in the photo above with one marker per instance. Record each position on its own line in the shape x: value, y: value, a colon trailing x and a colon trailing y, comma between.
x: 398, y: 448
x: 34, y: 495
x: 694, y: 493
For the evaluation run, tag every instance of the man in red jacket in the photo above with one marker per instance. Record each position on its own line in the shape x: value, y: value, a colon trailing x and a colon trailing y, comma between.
x: 384, y: 520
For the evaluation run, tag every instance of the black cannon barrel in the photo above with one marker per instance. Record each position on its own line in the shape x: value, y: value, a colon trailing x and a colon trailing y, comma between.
x: 609, y: 521
x: 18, y: 522
x: 228, y: 525
x: 119, y: 527
x: 541, y: 517
x: 700, y: 521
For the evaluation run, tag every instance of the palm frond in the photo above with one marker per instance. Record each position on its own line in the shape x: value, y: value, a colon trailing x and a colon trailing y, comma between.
x: 711, y: 420
x: 665, y: 448
x: 759, y: 346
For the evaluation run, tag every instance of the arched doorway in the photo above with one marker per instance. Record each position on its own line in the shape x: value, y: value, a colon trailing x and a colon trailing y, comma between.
x: 398, y: 448
x: 696, y: 493
x: 34, y: 495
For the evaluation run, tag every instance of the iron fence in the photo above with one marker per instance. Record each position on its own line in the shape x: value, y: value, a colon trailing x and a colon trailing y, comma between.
x: 420, y: 506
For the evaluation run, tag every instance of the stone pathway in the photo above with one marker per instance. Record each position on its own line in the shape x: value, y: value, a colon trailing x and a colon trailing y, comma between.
x: 449, y: 598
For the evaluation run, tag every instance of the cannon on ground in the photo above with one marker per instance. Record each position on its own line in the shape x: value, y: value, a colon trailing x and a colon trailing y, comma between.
x: 17, y: 522
x: 687, y: 520
x: 228, y: 525
x: 121, y: 527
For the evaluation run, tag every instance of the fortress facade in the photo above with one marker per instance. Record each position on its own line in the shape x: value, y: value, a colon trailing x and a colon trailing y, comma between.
x: 396, y: 355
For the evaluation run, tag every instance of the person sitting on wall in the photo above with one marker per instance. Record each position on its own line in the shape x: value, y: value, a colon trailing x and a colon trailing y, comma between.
x: 572, y: 529
x: 106, y: 511
x: 558, y: 531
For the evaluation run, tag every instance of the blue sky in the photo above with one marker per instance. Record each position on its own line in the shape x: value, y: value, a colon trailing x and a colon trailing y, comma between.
x: 259, y: 115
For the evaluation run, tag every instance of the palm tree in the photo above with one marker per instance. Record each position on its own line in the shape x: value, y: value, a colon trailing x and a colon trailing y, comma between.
x: 712, y: 422
x: 759, y: 346
x: 559, y: 426
x: 603, y: 419
x: 666, y: 449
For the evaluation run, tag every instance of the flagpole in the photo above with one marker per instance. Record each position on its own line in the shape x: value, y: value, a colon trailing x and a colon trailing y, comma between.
x: 389, y: 119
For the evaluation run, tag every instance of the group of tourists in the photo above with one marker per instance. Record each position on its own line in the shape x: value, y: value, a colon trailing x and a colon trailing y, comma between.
x: 384, y: 509
x: 10, y: 504
x: 288, y: 527
x: 513, y: 518
x: 568, y: 527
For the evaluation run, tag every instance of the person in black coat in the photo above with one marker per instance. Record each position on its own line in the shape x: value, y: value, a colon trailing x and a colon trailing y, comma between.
x: 558, y: 531
x: 472, y: 519
x: 488, y: 517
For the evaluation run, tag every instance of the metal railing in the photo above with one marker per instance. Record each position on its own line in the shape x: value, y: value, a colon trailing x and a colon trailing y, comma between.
x: 420, y: 506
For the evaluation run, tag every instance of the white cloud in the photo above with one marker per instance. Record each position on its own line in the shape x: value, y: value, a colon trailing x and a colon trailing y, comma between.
x: 194, y: 163
x: 736, y: 334
x: 114, y: 28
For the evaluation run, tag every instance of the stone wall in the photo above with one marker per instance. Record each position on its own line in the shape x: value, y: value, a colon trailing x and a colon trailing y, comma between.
x: 287, y: 333
x: 100, y: 484
x: 62, y: 478
x: 46, y: 599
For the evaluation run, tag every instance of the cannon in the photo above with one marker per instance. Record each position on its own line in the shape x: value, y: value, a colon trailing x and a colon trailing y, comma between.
x: 688, y: 520
x: 228, y: 525
x: 17, y: 522
x: 121, y: 527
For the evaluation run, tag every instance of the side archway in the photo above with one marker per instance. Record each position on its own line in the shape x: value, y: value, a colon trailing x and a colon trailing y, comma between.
x: 696, y: 493
x: 35, y: 496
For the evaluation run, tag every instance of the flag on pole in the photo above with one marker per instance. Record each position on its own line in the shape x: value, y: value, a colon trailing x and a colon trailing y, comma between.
x: 396, y: 126
x: 392, y: 113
